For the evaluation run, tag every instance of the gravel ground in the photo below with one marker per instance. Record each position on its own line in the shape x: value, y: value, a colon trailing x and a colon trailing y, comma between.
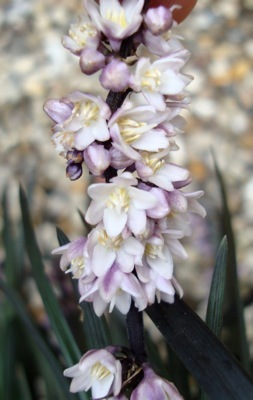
x: 34, y: 67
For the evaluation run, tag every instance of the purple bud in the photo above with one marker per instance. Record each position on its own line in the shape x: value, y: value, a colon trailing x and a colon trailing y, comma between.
x: 119, y: 160
x: 97, y: 158
x: 74, y: 171
x: 58, y: 110
x: 158, y: 20
x: 115, y: 76
x: 91, y: 61
x: 75, y: 156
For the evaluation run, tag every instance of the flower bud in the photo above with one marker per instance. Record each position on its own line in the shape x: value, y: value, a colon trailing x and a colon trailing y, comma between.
x: 115, y: 76
x: 74, y: 171
x: 58, y: 110
x: 158, y: 20
x: 97, y: 158
x: 119, y: 160
x: 91, y: 61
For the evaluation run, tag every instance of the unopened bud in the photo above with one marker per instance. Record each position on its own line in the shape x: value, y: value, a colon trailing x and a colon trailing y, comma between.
x: 74, y: 171
x: 158, y: 20
x: 97, y: 158
x: 115, y: 76
x: 91, y: 61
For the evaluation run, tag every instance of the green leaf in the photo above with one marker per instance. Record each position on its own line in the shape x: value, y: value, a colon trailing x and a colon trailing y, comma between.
x: 55, y: 367
x: 214, y: 313
x: 236, y: 325
x: 59, y: 324
x: 96, y: 329
x: 215, y: 369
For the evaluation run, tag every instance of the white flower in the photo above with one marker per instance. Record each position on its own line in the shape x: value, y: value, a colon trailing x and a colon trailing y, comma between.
x: 152, y: 167
x: 81, y: 35
x: 134, y: 128
x: 119, y: 204
x: 160, y: 78
x: 97, y: 370
x: 85, y: 121
x: 117, y: 20
x: 103, y: 250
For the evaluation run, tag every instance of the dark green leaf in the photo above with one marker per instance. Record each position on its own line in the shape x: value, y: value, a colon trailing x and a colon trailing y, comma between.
x: 215, y: 369
x: 236, y: 324
x: 56, y: 369
x: 59, y: 325
x: 214, y: 313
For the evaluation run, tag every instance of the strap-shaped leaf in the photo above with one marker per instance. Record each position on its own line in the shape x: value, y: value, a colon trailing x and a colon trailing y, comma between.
x: 59, y: 325
x: 214, y: 314
x: 236, y: 325
x: 55, y: 367
x: 216, y: 370
x: 95, y: 329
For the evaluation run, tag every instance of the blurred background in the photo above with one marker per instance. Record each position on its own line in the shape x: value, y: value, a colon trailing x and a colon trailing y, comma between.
x: 35, y: 67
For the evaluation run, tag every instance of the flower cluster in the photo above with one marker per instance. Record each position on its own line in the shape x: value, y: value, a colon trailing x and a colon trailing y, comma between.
x: 103, y: 371
x: 141, y: 212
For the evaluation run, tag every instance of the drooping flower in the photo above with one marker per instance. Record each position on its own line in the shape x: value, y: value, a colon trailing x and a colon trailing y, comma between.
x: 119, y: 204
x: 97, y: 370
x: 117, y: 20
x: 116, y: 289
x: 153, y: 387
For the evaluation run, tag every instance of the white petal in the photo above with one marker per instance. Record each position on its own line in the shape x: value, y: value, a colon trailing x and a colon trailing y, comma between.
x: 114, y: 222
x: 102, y: 260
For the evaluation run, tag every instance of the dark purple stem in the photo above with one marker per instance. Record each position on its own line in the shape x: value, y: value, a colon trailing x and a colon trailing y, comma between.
x: 134, y: 317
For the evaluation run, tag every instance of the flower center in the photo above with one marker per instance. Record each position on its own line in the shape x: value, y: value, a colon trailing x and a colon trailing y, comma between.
x: 99, y: 371
x: 151, y: 79
x: 119, y: 199
x: 117, y: 18
x: 76, y: 267
x: 153, y: 250
x: 88, y: 111
x: 152, y: 162
x: 130, y: 130
x: 81, y: 32
x: 112, y: 243
x: 65, y: 139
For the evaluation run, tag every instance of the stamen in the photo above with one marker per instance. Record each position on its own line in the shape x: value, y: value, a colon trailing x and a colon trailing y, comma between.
x: 119, y: 200
x: 130, y: 130
x: 99, y: 371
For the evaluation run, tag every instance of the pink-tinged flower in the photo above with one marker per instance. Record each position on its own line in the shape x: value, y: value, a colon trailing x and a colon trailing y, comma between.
x: 91, y: 60
x: 115, y: 76
x: 103, y: 250
x: 97, y: 158
x: 162, y: 45
x: 156, y: 287
x: 158, y: 20
x: 72, y: 259
x: 162, y: 77
x: 119, y: 204
x: 153, y: 387
x: 134, y: 128
x: 97, y: 370
x: 152, y: 167
x: 116, y: 289
x: 159, y: 251
x: 117, y: 20
x: 81, y: 35
x: 81, y: 119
